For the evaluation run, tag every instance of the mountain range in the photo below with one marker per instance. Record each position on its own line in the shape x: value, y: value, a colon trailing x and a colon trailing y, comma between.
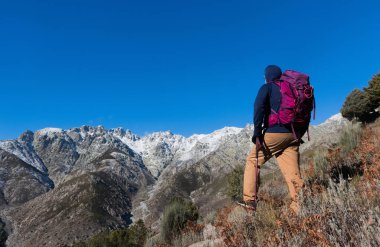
x: 59, y: 186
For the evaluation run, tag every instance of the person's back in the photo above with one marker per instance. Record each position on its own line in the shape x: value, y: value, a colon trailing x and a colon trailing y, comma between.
x: 275, y: 140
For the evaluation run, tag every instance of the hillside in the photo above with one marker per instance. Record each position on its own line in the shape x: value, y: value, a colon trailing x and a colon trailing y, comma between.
x: 105, y: 179
x: 339, y: 204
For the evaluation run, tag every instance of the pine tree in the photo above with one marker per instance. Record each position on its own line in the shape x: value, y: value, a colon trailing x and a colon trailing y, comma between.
x: 373, y: 91
x: 357, y: 105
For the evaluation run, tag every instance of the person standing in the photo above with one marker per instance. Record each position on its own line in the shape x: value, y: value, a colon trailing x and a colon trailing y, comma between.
x: 277, y: 140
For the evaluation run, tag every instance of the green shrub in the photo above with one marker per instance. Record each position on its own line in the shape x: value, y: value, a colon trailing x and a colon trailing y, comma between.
x: 357, y: 105
x: 134, y: 236
x: 341, y: 163
x: 153, y: 241
x: 137, y: 233
x: 175, y: 217
x: 235, y: 183
x: 373, y: 91
x: 362, y: 104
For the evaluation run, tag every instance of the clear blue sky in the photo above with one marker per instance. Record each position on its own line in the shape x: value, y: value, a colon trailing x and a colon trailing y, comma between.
x: 185, y: 66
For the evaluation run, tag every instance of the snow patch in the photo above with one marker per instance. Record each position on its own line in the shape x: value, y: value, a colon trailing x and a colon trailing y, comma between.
x: 50, y: 132
x: 334, y: 120
x: 159, y: 149
x: 24, y: 153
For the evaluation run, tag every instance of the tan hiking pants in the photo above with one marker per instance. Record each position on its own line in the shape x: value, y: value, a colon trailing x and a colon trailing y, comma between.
x: 286, y: 150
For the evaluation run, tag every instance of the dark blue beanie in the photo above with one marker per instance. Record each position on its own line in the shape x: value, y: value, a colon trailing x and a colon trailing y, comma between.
x: 272, y: 73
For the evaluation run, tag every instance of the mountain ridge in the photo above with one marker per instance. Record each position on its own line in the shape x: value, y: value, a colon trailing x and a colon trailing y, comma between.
x: 149, y: 170
x: 149, y: 146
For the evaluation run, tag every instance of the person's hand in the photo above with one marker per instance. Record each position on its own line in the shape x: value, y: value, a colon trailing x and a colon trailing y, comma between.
x: 259, y: 144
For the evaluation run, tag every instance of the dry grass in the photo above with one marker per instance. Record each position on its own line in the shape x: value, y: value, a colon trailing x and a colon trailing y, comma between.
x: 340, y: 203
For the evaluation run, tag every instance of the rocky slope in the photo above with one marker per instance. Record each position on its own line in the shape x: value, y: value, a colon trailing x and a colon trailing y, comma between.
x: 19, y: 181
x: 203, y: 179
x: 77, y: 182
x: 77, y: 208
x: 90, y: 178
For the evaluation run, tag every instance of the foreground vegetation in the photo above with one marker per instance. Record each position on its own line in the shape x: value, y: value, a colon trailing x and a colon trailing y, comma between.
x: 133, y: 236
x: 340, y: 203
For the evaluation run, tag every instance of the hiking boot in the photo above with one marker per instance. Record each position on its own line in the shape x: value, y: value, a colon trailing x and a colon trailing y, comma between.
x: 249, y: 205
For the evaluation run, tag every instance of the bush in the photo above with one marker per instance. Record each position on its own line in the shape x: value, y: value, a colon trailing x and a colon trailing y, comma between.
x: 373, y: 91
x: 321, y: 166
x: 235, y: 183
x: 134, y: 236
x: 362, y: 105
x: 350, y: 138
x: 357, y: 105
x: 338, y: 163
x: 175, y: 217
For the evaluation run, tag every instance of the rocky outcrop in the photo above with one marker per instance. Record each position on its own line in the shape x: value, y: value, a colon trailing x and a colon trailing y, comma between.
x: 19, y: 181
x: 75, y: 210
x: 95, y: 178
x: 57, y: 151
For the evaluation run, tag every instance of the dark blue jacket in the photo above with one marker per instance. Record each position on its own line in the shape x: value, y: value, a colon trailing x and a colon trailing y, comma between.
x: 268, y: 97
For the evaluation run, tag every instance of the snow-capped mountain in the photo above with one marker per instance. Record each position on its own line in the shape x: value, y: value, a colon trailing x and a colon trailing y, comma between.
x: 160, y: 149
x: 49, y: 175
x: 325, y: 133
x: 157, y: 150
x: 23, y: 149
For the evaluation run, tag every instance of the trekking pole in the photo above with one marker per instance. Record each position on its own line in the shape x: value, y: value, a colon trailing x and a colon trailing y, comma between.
x: 256, y: 171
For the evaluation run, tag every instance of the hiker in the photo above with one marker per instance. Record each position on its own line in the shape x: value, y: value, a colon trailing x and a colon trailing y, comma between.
x: 272, y: 138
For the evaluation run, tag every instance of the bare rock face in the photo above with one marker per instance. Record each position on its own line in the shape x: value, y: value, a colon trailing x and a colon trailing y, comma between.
x: 19, y: 181
x: 76, y: 209
x: 24, y: 150
x: 95, y: 178
x: 57, y: 151
x: 92, y: 143
x: 325, y: 134
x: 82, y: 204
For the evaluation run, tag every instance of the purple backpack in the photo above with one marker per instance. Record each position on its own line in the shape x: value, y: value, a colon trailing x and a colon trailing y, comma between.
x: 297, y: 101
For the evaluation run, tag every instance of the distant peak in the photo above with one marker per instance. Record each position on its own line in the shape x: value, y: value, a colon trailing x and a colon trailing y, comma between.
x: 27, y: 136
x: 220, y: 132
x: 120, y: 131
x: 85, y: 128
x: 47, y: 131
x: 100, y: 127
x: 335, y: 119
x: 160, y: 134
x: 228, y: 130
